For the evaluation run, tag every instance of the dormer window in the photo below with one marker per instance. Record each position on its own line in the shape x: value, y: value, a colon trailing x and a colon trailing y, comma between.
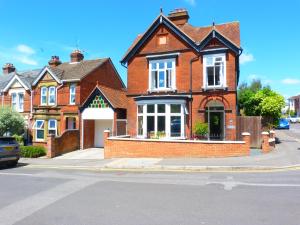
x: 162, y: 75
x: 214, y: 71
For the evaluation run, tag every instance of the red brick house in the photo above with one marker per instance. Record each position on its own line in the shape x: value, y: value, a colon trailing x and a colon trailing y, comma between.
x: 59, y: 94
x: 15, y: 90
x: 179, y: 74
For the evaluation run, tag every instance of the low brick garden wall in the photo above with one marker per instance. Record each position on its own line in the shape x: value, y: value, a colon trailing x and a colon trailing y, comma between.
x: 123, y: 147
x: 69, y: 141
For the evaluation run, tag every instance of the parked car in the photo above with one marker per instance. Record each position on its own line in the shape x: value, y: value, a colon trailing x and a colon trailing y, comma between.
x: 9, y: 151
x: 283, y: 124
x: 294, y: 119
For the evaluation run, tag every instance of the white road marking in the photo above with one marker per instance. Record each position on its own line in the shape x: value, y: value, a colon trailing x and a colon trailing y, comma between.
x: 32, y: 204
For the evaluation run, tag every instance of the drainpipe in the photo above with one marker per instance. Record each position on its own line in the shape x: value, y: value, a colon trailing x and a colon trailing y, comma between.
x: 237, y: 61
x: 191, y: 94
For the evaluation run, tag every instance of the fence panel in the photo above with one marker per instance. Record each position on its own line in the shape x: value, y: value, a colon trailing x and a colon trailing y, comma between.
x: 253, y: 125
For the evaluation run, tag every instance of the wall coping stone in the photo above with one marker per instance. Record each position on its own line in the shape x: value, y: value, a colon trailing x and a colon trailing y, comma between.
x: 175, y: 141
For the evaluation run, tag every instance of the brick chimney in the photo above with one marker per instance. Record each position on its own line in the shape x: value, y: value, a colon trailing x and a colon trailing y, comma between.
x: 179, y: 16
x: 54, y: 61
x: 76, y: 56
x: 8, y: 68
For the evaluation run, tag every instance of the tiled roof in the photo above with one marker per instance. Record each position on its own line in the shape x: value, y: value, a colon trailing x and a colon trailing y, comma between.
x: 116, y: 97
x: 69, y: 71
x: 27, y: 77
x: 230, y: 31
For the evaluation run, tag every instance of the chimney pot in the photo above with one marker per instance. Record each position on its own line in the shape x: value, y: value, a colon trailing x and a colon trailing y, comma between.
x: 76, y: 56
x: 54, y: 61
x: 8, y: 68
x: 179, y: 16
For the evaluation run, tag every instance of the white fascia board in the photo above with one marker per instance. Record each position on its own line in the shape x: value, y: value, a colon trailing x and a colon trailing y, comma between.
x: 98, y: 114
x: 15, y: 78
x: 42, y: 74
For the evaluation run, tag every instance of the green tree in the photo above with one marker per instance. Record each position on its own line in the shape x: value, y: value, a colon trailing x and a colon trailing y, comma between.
x: 11, y: 122
x: 256, y: 100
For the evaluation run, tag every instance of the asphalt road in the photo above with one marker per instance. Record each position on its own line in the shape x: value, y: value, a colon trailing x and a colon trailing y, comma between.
x: 65, y: 197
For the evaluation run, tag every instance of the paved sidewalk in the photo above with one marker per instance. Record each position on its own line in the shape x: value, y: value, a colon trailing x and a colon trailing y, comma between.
x: 285, y: 156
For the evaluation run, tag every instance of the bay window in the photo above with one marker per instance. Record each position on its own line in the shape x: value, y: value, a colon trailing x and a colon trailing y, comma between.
x: 162, y: 74
x: 160, y: 120
x: 72, y: 94
x: 48, y: 95
x: 44, y: 91
x: 52, y: 96
x: 52, y: 127
x: 17, y: 101
x: 39, y: 130
x: 214, y: 70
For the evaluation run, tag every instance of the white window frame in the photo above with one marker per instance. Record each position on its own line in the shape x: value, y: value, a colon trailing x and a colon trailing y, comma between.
x: 172, y: 81
x: 49, y: 95
x: 55, y: 128
x: 46, y: 91
x: 16, y: 103
x: 223, y: 79
x: 167, y: 115
x: 72, y: 93
x: 41, y: 127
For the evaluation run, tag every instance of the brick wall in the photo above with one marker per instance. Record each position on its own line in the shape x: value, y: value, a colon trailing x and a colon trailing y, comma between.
x: 129, y: 147
x: 67, y: 142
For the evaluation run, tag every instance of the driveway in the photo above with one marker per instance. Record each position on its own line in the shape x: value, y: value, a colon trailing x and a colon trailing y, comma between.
x: 91, y: 153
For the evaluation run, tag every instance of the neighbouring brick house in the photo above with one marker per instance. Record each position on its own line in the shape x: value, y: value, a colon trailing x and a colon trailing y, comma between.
x: 294, y: 104
x: 15, y: 90
x: 179, y: 74
x: 61, y: 89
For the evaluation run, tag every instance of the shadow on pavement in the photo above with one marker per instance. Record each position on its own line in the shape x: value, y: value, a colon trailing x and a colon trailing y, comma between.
x: 8, y: 167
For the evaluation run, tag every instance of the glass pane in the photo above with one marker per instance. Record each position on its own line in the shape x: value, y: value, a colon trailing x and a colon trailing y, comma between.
x: 150, y: 108
x: 51, y: 90
x: 154, y: 79
x: 72, y: 98
x: 44, y: 90
x: 52, y: 132
x: 210, y: 76
x: 39, y: 124
x: 150, y: 125
x: 44, y: 99
x: 161, y: 79
x: 219, y: 59
x: 175, y: 126
x: 209, y: 61
x: 140, y: 125
x: 161, y: 108
x: 52, y: 99
x: 161, y: 65
x: 52, y: 123
x: 140, y: 108
x: 153, y: 66
x: 161, y: 123
x: 40, y: 134
x: 13, y: 97
x: 175, y: 108
x: 169, y: 65
x: 217, y: 75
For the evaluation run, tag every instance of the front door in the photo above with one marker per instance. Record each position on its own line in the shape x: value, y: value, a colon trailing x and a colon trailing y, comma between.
x: 216, y: 125
x: 100, y: 127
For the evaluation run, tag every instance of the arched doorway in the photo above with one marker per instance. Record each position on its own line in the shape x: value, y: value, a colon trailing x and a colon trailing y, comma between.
x: 215, y: 117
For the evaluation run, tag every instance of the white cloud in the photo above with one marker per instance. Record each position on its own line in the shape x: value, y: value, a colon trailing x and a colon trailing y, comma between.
x: 26, y: 60
x: 191, y: 2
x: 22, y: 54
x: 25, y: 49
x: 246, y: 57
x: 290, y: 81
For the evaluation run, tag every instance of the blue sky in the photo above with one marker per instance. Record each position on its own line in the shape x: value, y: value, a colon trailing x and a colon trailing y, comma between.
x: 32, y: 31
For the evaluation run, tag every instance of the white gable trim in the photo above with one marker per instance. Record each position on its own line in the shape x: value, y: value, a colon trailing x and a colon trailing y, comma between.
x: 46, y: 69
x: 15, y: 78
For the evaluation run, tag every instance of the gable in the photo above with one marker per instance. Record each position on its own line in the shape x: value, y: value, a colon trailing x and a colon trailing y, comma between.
x: 16, y: 84
x: 47, y: 80
x: 46, y: 76
x: 98, y: 102
x: 163, y: 40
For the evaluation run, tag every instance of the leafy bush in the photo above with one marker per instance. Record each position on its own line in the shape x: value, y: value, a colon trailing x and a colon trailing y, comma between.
x: 11, y: 122
x: 32, y: 151
x: 201, y: 129
x: 19, y: 139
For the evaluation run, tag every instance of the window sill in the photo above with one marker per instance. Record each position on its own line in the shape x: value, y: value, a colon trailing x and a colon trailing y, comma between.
x: 162, y: 90
x: 207, y: 88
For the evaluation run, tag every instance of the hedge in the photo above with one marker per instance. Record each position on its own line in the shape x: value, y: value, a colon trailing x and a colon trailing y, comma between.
x: 32, y: 151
